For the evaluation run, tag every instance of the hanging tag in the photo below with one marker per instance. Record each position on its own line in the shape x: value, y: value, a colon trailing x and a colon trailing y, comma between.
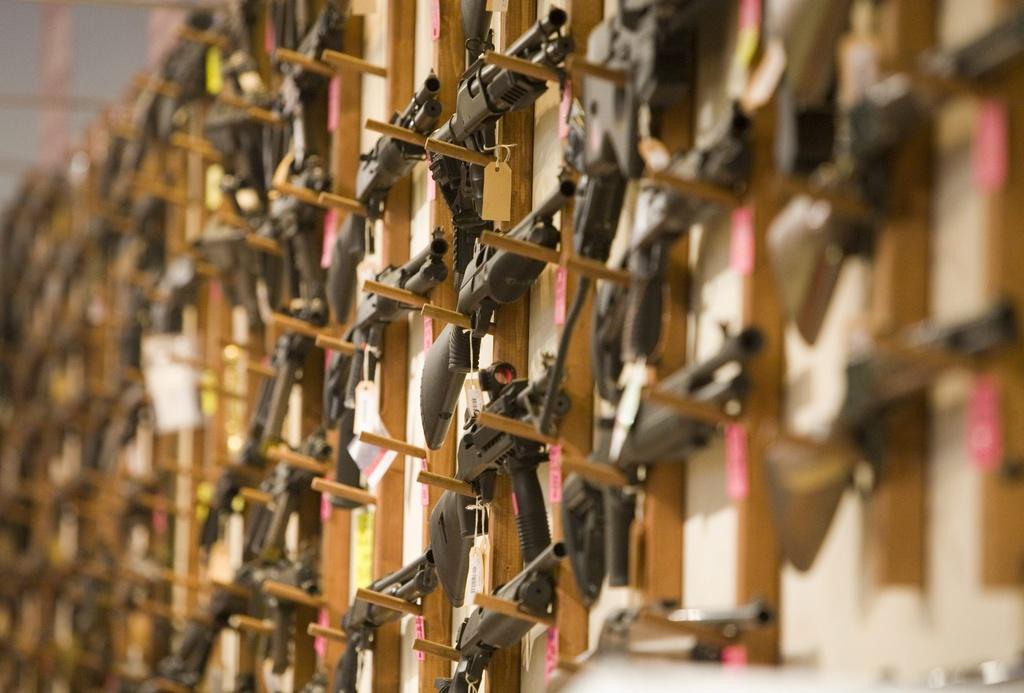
x: 635, y: 377
x: 749, y: 31
x: 990, y: 146
x: 428, y: 333
x: 551, y: 655
x: 561, y: 287
x: 736, y: 479
x: 320, y: 644
x: 497, y: 204
x: 421, y: 634
x: 268, y: 36
x: 159, y: 521
x: 213, y: 195
x: 435, y: 19
x: 564, y: 110
x: 734, y: 656
x: 333, y: 103
x: 171, y: 384
x: 474, y: 395
x: 984, y: 428
x: 555, y: 473
x: 475, y: 576
x: 431, y: 186
x: 330, y: 236
x: 363, y: 7
x: 741, y: 249
x: 497, y: 5
x: 378, y: 468
x: 367, y: 411
x: 424, y: 488
x: 363, y: 551
x: 214, y: 79
x: 325, y: 507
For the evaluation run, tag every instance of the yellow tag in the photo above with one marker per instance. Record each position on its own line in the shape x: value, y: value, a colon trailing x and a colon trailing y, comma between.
x: 214, y: 196
x: 363, y: 553
x: 497, y: 192
x: 746, y: 45
x: 208, y: 395
x: 214, y: 80
x: 237, y: 504
x: 361, y: 7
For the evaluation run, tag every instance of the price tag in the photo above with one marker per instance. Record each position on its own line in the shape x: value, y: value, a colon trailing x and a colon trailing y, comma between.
x: 214, y: 78
x: 565, y: 110
x: 749, y: 31
x: 330, y: 237
x: 268, y: 36
x: 421, y: 633
x: 435, y: 19
x: 555, y: 473
x: 734, y: 656
x: 159, y: 522
x: 474, y: 395
x: 990, y: 155
x: 479, y: 564
x: 362, y: 572
x: 984, y: 427
x: 170, y: 383
x: 363, y: 7
x: 424, y: 488
x: 551, y: 654
x: 333, y: 103
x: 561, y: 288
x: 319, y: 644
x: 213, y: 195
x: 367, y: 412
x: 428, y: 333
x: 325, y: 507
x: 497, y: 204
x: 741, y: 249
x: 736, y: 478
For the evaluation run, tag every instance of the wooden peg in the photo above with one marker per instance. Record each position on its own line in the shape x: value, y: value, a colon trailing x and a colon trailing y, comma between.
x: 519, y: 247
x: 231, y: 588
x: 582, y: 68
x: 318, y: 631
x: 260, y: 370
x: 344, y: 61
x: 255, y: 112
x: 604, y: 474
x: 206, y: 38
x: 507, y: 608
x: 181, y: 580
x: 264, y: 244
x: 303, y: 195
x: 349, y: 493
x: 254, y: 495
x: 290, y: 324
x: 522, y: 67
x: 520, y: 429
x: 281, y: 453
x: 325, y: 341
x: 695, y: 188
x: 226, y: 216
x: 196, y: 145
x: 397, y: 133
x: 447, y: 483
x: 306, y: 63
x: 394, y: 293
x: 437, y: 649
x: 255, y: 625
x: 346, y: 204
x: 399, y: 446
x: 702, y: 411
x: 389, y: 602
x: 429, y: 310
x: 292, y: 594
x: 454, y: 151
x: 597, y: 270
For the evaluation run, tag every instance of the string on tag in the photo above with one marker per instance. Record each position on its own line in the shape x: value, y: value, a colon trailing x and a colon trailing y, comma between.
x: 498, y: 150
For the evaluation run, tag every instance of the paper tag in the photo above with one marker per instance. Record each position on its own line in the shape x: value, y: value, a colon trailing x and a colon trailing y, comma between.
x: 749, y: 31
x: 984, y: 425
x: 268, y: 36
x: 214, y: 79
x: 428, y: 333
x: 424, y: 488
x: 990, y: 146
x: 320, y: 644
x: 734, y: 656
x: 478, y: 579
x: 330, y: 236
x: 367, y: 412
x: 435, y: 19
x: 361, y: 7
x: 333, y: 103
x: 741, y: 249
x: 555, y: 473
x: 379, y: 467
x: 635, y: 376
x: 159, y: 522
x: 363, y: 550
x: 213, y: 194
x: 421, y: 634
x: 474, y: 396
x: 564, y: 110
x: 561, y: 287
x: 170, y: 383
x: 736, y: 481
x: 431, y: 186
x: 551, y: 655
x: 497, y: 5
x: 325, y: 507
x: 497, y: 204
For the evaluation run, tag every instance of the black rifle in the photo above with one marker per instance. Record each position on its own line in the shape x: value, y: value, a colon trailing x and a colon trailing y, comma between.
x: 494, y: 277
x: 226, y: 249
x: 806, y: 483
x: 419, y: 275
x: 389, y: 161
x: 360, y: 623
x: 485, y: 632
x: 302, y: 575
x: 597, y: 520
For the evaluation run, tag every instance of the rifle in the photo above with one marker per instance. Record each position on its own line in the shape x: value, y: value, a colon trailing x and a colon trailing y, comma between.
x: 485, y: 632
x: 226, y: 249
x: 806, y: 480
x: 301, y: 574
x: 389, y: 161
x: 597, y: 520
x: 360, y: 623
x: 419, y: 275
x: 494, y: 277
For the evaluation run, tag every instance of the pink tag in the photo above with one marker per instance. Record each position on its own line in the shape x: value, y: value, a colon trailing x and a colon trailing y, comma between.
x: 750, y: 14
x: 984, y: 427
x: 435, y: 19
x: 561, y: 286
x: 515, y: 505
x: 421, y: 633
x: 990, y: 146
x: 431, y: 186
x: 319, y: 644
x: 428, y: 333
x: 551, y: 654
x: 424, y: 488
x: 736, y: 461
x: 564, y: 108
x: 734, y: 656
x: 268, y: 36
x: 330, y: 235
x: 325, y: 508
x: 741, y: 255
x: 215, y: 292
x: 159, y: 522
x: 333, y: 103
x: 555, y: 473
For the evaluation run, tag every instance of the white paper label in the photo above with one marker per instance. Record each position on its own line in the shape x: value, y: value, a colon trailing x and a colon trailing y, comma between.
x: 170, y: 382
x: 367, y: 405
x: 474, y: 395
x: 479, y: 579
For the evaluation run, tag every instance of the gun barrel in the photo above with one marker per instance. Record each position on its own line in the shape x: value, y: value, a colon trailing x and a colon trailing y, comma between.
x: 539, y: 32
x: 751, y: 614
x: 551, y: 206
